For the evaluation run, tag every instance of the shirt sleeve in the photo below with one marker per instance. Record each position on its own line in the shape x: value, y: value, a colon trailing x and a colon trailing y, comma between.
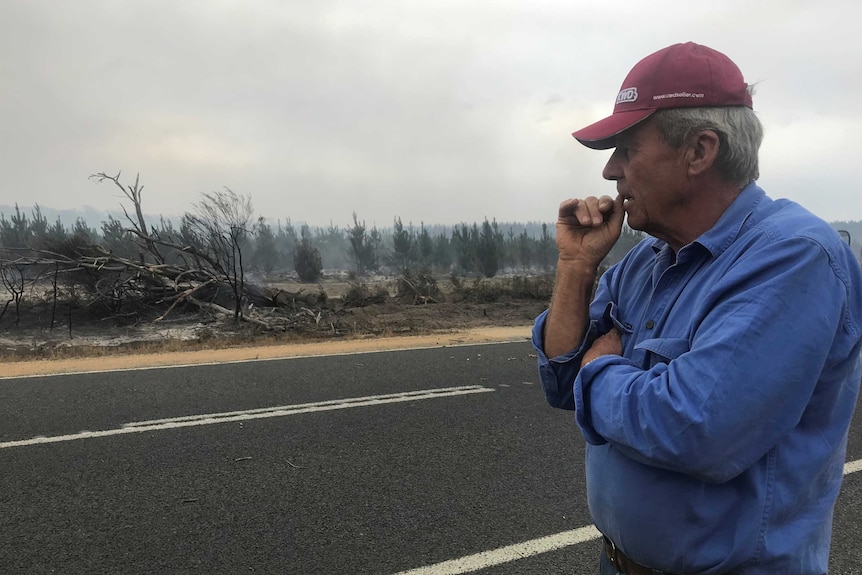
x: 740, y: 382
x: 558, y: 374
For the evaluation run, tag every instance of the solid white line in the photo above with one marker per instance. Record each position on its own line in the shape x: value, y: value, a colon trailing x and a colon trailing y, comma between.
x: 852, y: 467
x: 509, y: 553
x: 212, y: 418
x: 526, y: 549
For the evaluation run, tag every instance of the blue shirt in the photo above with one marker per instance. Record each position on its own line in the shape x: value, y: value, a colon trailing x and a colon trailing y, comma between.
x: 716, y: 442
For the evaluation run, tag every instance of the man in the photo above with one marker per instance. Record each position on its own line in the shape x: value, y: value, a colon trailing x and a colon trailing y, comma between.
x: 715, y: 371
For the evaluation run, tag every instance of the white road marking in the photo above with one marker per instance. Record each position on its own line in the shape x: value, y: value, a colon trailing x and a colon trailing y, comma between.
x: 526, y: 549
x: 852, y: 467
x: 509, y: 553
x: 281, y: 411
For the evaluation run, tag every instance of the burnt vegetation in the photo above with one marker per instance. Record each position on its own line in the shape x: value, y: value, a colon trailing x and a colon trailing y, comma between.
x: 220, y: 261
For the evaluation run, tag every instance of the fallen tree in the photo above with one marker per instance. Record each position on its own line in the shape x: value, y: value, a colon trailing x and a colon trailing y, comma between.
x: 200, y: 265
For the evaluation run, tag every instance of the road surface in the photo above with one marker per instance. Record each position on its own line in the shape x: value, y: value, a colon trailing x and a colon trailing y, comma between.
x: 422, y: 462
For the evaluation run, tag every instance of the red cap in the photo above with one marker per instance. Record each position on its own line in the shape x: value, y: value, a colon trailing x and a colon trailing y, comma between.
x: 680, y: 76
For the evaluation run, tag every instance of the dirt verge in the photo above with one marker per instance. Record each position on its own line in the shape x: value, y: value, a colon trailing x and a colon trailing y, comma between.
x: 226, y: 355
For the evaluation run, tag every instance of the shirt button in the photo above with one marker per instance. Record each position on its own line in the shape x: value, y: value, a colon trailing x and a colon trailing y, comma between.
x: 650, y: 324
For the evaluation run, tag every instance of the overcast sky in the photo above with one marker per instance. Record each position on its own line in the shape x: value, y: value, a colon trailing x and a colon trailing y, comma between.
x: 436, y: 111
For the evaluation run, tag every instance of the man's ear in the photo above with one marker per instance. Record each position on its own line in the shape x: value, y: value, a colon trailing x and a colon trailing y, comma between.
x: 702, y: 152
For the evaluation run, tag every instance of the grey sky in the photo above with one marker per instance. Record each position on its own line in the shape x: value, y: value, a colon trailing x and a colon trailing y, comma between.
x: 439, y: 111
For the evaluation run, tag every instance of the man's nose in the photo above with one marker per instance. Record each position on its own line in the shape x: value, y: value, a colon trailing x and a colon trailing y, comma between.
x: 613, y: 169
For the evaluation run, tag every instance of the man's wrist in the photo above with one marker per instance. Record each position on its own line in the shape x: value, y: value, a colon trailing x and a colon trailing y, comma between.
x: 578, y: 268
x: 592, y: 357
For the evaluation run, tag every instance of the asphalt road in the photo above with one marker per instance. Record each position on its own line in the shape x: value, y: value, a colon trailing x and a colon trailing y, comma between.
x: 360, y: 470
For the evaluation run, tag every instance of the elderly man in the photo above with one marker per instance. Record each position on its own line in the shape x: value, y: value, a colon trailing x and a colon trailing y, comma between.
x: 715, y: 371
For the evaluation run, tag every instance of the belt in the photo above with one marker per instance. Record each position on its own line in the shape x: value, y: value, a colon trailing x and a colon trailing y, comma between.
x: 624, y: 564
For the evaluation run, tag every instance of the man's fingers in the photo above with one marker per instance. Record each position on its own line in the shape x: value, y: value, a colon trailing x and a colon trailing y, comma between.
x: 613, y: 334
x: 606, y: 203
x: 593, y: 215
x: 568, y: 208
x: 588, y: 212
x: 618, y: 213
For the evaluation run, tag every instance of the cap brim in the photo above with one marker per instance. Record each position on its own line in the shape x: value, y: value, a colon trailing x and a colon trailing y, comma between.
x: 602, y: 135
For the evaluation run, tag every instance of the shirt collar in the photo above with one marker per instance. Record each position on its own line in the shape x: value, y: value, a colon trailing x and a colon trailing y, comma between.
x: 719, y: 237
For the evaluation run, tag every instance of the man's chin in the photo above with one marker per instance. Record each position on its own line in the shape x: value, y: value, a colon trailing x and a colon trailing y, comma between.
x: 633, y: 221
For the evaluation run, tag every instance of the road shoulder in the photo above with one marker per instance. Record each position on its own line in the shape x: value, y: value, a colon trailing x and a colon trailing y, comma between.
x: 316, y: 348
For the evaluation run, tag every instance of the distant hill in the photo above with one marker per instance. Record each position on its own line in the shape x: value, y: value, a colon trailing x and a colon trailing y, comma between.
x: 94, y: 217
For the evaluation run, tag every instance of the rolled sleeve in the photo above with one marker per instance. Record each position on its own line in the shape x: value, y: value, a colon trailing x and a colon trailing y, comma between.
x: 558, y: 374
x: 581, y: 389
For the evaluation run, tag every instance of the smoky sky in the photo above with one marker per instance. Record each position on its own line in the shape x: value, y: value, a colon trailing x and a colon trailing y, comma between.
x: 435, y: 112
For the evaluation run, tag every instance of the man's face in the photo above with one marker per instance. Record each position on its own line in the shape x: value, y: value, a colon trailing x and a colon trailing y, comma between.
x: 651, y: 177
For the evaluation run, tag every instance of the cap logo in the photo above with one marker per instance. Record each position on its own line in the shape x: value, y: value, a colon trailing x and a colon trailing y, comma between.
x: 627, y: 95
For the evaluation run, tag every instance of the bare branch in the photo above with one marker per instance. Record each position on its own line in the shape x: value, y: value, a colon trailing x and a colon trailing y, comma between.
x: 133, y: 194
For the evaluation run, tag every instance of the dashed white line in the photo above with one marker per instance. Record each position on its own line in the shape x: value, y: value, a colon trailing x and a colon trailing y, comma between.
x: 281, y: 411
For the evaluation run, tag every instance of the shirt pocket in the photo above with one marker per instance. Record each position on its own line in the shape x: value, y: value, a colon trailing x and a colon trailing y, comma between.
x: 663, y: 349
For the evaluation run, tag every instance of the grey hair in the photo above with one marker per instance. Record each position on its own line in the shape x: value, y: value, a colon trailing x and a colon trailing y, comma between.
x: 739, y: 132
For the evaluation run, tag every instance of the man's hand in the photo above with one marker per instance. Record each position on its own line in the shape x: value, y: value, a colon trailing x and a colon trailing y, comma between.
x: 609, y: 344
x: 588, y: 228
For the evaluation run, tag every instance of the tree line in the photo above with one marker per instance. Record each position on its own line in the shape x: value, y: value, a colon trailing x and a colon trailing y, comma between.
x: 207, y: 259
x: 467, y: 249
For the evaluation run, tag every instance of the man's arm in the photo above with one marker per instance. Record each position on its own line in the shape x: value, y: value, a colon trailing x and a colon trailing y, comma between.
x: 587, y: 229
x: 726, y: 394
